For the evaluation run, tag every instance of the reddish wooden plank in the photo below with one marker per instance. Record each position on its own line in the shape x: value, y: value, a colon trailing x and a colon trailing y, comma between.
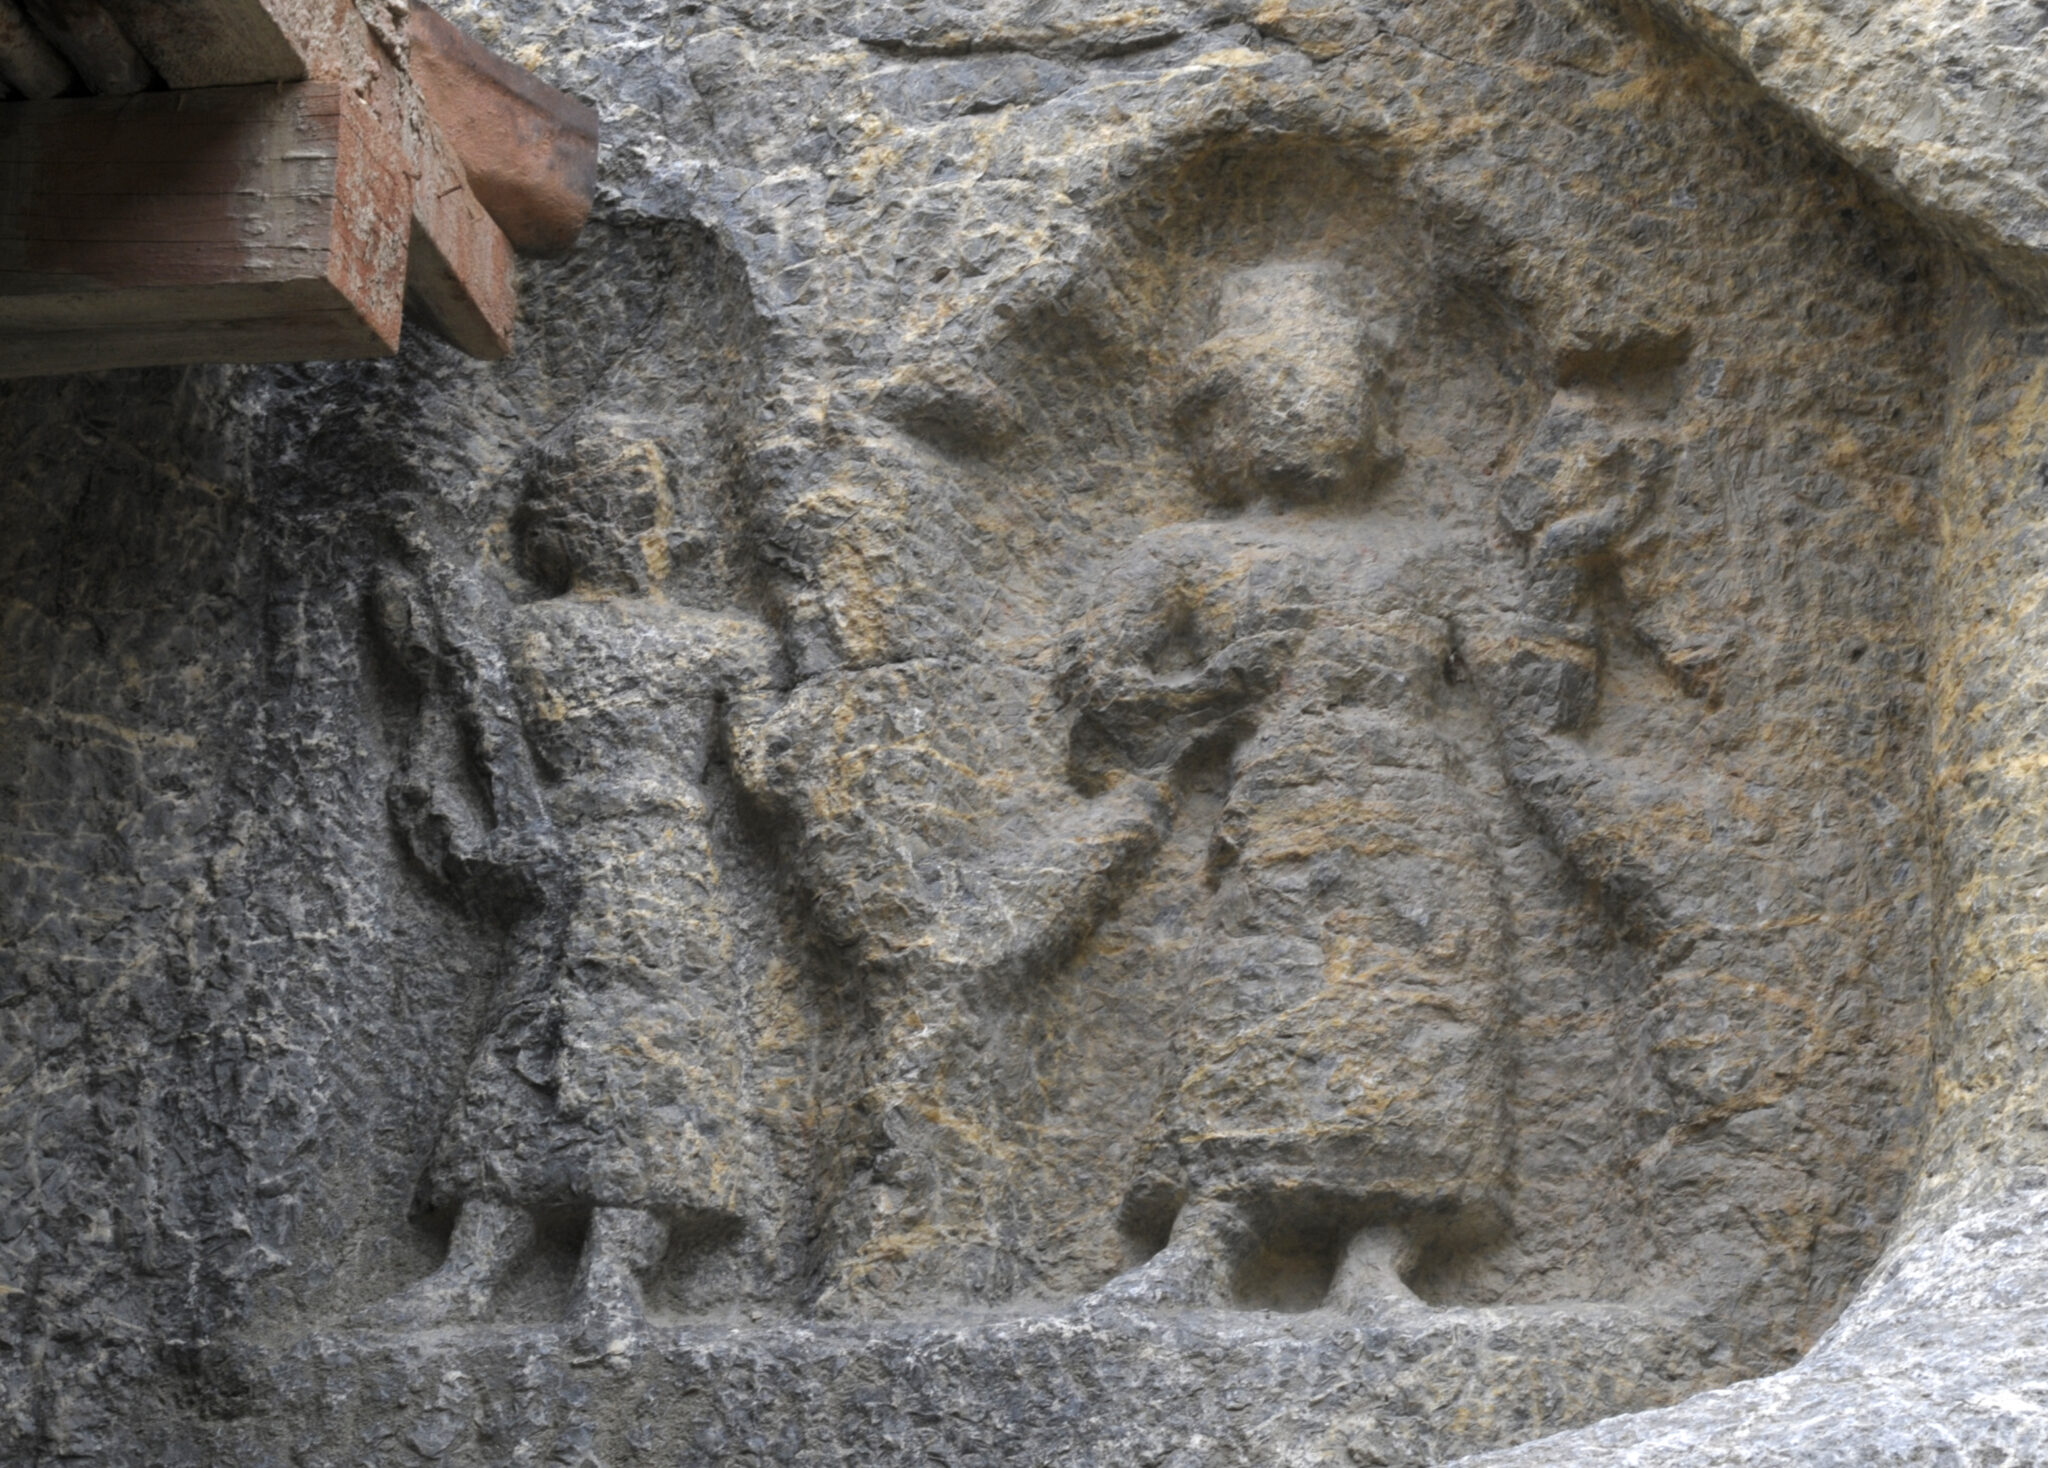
x: 297, y: 217
x: 171, y: 132
x: 528, y: 151
x: 184, y: 130
x: 372, y: 232
x: 171, y: 135
x: 165, y: 211
x: 63, y: 154
x: 118, y: 265
x: 198, y: 174
x: 230, y: 183
x: 460, y: 272
x: 278, y: 230
x: 111, y: 243
x: 335, y: 335
x: 171, y: 307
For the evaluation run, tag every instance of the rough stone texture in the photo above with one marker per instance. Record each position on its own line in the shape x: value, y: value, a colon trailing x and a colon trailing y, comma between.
x: 1209, y: 735
x: 1946, y: 103
x: 1941, y: 1355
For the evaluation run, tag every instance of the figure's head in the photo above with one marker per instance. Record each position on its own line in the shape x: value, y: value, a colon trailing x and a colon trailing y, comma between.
x: 1285, y: 398
x: 598, y: 511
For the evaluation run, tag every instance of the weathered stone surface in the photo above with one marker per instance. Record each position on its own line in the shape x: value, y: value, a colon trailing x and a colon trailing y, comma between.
x: 1946, y: 103
x: 1210, y: 735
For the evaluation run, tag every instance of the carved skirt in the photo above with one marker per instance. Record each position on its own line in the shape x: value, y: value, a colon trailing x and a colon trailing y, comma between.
x: 613, y: 1072
x: 1344, y: 1034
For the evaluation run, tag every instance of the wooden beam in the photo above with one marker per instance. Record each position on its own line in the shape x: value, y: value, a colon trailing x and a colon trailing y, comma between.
x: 246, y: 224
x: 460, y: 271
x: 28, y: 64
x: 162, y: 245
x: 528, y: 151
x: 221, y: 43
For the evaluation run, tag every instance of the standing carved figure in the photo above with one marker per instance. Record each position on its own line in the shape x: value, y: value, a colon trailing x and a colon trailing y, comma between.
x: 1342, y: 1076
x: 611, y: 1079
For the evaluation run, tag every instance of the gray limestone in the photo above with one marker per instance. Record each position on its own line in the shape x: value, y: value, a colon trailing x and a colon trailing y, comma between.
x: 1276, y: 733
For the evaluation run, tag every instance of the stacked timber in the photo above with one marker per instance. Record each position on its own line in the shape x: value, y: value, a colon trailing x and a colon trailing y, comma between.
x: 222, y: 180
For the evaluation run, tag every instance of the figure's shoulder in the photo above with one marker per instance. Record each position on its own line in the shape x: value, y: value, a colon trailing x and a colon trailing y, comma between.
x: 1204, y: 544
x: 1177, y: 540
x: 738, y: 647
x: 726, y: 648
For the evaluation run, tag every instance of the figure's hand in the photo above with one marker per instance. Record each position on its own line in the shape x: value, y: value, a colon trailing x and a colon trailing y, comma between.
x: 1541, y: 677
x: 403, y: 621
x: 1131, y: 719
x: 1581, y: 488
x: 505, y: 871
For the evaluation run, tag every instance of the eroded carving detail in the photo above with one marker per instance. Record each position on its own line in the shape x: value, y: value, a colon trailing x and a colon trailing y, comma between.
x: 612, y: 1080
x: 1351, y: 671
x: 1249, y: 784
x: 1344, y: 1055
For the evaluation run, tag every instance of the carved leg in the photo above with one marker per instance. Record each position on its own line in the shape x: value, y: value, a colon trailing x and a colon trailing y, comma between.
x: 1369, y: 1276
x: 1193, y: 1271
x: 489, y: 1239
x: 608, y: 1306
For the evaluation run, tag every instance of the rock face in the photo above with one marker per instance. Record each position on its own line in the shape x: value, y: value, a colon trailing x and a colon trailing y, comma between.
x: 1222, y: 734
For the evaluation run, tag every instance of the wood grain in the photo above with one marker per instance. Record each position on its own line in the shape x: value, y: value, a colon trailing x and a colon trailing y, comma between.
x: 528, y: 150
x: 226, y: 224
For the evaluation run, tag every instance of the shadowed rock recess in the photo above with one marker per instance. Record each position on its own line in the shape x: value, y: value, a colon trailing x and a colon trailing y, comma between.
x: 1214, y: 734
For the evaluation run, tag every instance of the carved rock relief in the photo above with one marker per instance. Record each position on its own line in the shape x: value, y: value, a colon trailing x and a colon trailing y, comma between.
x: 1303, y: 739
x: 1402, y: 812
x: 1280, y: 776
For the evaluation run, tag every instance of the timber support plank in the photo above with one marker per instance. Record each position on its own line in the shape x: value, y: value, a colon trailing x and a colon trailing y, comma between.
x: 92, y: 42
x: 242, y: 224
x: 228, y: 220
x: 460, y: 274
x: 528, y: 151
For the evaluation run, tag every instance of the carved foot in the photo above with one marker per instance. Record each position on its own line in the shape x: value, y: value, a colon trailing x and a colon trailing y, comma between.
x: 1192, y: 1272
x: 608, y: 1306
x: 489, y: 1239
x: 1370, y: 1278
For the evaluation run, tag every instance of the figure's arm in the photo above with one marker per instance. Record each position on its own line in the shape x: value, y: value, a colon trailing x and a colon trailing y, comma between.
x: 460, y: 676
x: 1541, y: 680
x: 1053, y: 892
x: 1130, y: 717
x: 489, y: 714
x: 931, y: 820
x: 1537, y: 658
